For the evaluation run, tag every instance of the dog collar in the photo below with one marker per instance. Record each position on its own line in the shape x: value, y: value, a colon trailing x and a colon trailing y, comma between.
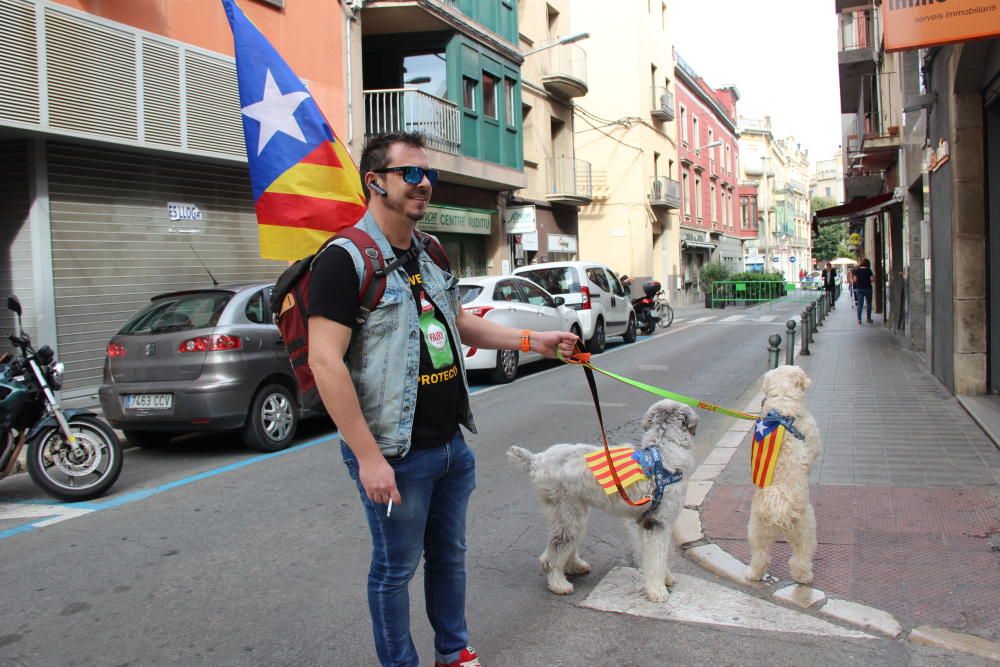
x: 787, y: 422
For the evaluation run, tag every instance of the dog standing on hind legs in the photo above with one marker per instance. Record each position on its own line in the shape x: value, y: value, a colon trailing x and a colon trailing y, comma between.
x: 568, y: 489
x: 782, y: 508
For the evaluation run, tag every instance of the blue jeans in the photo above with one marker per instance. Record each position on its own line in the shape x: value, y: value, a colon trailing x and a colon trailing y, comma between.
x: 861, y: 295
x: 435, y: 485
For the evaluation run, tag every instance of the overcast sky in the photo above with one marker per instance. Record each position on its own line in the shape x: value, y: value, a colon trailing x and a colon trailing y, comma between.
x: 780, y: 54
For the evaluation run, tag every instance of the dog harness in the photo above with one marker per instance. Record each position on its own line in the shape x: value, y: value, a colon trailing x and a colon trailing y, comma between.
x: 768, y: 434
x: 633, y: 466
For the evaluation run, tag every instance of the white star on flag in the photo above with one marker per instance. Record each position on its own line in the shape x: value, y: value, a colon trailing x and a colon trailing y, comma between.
x: 761, y: 428
x: 275, y: 113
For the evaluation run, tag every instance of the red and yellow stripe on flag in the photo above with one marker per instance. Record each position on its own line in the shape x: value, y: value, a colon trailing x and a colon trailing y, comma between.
x: 628, y: 469
x: 309, y: 202
x: 764, y: 452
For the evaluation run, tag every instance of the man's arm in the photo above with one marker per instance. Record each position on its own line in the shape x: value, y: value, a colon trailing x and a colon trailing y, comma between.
x: 480, y: 332
x: 328, y: 342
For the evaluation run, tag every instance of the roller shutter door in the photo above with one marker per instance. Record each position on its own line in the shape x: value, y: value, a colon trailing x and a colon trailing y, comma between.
x: 114, y: 245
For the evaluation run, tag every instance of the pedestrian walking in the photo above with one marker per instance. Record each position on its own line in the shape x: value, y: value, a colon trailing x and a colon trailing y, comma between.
x: 395, y: 386
x: 863, y: 288
x: 850, y: 284
x: 830, y: 283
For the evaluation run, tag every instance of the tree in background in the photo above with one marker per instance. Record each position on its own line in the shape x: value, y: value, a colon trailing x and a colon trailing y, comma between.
x: 828, y: 240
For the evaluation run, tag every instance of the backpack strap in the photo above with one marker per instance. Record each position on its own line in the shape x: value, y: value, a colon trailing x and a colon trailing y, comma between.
x: 434, y: 249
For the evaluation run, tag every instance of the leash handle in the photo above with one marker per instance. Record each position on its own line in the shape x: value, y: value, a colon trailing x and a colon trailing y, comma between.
x: 577, y: 358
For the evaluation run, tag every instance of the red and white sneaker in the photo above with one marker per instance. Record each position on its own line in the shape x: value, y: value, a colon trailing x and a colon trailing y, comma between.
x: 468, y: 658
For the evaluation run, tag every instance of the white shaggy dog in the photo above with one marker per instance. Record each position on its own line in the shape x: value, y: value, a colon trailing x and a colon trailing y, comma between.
x: 783, y: 507
x: 567, y: 489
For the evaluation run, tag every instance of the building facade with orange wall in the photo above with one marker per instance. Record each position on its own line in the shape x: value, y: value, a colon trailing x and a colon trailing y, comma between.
x: 122, y: 155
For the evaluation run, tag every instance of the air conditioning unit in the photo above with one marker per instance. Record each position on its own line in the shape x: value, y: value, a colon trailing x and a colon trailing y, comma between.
x: 665, y: 103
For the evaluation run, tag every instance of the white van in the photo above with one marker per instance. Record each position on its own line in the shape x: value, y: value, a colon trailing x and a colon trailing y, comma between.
x: 594, y: 292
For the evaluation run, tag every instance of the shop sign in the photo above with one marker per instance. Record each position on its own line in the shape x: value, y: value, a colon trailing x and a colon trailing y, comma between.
x: 529, y: 240
x: 562, y: 243
x: 179, y: 211
x: 519, y: 219
x: 456, y: 220
x: 752, y: 251
x: 854, y: 239
x: 915, y: 24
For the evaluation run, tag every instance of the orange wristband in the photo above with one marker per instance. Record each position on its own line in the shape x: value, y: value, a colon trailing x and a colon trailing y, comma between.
x: 526, y: 341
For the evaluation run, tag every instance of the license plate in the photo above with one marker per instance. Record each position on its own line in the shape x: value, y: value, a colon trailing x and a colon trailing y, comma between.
x: 149, y: 401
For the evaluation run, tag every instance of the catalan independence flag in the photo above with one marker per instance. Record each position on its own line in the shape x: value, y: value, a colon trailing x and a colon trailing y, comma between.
x: 764, y: 449
x: 628, y: 468
x: 305, y: 185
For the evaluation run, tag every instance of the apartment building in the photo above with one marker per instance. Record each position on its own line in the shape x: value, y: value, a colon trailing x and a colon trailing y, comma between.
x: 123, y: 163
x: 542, y: 220
x: 625, y: 128
x: 708, y: 152
x: 919, y: 94
x: 778, y: 169
x: 450, y: 69
x: 827, y: 180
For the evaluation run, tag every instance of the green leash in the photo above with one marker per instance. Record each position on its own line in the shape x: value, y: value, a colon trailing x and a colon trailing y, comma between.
x: 583, y: 359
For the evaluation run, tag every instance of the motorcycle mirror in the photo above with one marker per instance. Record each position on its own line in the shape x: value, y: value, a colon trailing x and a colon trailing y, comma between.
x: 14, y: 305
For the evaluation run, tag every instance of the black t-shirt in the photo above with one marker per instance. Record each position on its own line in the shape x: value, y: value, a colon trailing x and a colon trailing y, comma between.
x: 333, y: 294
x: 862, y: 278
x: 829, y: 278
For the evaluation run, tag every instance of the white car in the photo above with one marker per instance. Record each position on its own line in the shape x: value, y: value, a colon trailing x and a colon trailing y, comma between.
x: 513, y: 302
x: 594, y: 292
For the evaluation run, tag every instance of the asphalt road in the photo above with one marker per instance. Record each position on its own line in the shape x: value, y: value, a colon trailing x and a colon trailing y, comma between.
x: 207, y: 554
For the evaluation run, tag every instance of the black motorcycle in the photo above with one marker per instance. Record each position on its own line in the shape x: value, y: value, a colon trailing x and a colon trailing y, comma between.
x: 646, y: 314
x: 72, y: 454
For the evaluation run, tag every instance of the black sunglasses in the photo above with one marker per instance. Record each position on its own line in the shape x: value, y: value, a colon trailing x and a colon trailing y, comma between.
x: 413, y: 175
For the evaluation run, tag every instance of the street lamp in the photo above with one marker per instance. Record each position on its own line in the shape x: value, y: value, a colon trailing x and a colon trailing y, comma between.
x: 711, y: 144
x: 568, y: 39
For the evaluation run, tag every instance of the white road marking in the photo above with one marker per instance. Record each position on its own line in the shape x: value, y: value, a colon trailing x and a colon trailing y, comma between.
x: 702, y: 319
x: 695, y: 600
x: 767, y: 318
x: 732, y: 318
x: 49, y: 514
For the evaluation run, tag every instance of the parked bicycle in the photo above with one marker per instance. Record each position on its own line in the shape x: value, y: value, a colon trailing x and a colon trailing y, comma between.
x: 662, y: 307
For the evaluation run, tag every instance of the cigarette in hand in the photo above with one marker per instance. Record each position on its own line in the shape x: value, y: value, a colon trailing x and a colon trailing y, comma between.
x: 388, y: 511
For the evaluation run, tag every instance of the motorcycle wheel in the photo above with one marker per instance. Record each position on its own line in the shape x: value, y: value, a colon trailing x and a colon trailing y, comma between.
x: 648, y: 326
x: 73, y: 476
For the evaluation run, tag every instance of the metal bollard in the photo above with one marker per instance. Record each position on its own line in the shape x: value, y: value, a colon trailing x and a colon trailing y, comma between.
x: 805, y: 334
x: 774, y: 350
x: 812, y: 322
x: 790, y: 340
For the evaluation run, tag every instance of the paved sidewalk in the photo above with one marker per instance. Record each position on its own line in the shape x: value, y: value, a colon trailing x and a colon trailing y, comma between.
x: 906, y: 489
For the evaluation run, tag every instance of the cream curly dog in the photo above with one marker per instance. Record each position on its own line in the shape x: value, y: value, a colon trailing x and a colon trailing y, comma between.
x: 783, y: 507
x: 567, y: 489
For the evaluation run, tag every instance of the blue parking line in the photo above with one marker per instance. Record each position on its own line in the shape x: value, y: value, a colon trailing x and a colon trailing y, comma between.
x: 146, y: 493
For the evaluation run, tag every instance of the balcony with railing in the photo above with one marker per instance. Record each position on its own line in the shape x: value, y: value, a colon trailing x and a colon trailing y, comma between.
x: 663, y: 104
x: 664, y: 192
x: 565, y: 71
x: 859, y: 43
x: 412, y: 110
x: 568, y: 181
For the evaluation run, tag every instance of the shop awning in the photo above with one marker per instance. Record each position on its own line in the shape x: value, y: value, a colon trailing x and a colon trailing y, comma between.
x: 856, y: 208
x: 698, y: 245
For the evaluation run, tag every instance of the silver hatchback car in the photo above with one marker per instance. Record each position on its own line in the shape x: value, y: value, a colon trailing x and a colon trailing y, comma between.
x: 202, y: 360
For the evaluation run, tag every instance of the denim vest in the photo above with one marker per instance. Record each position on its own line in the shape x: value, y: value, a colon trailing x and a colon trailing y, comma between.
x: 384, y: 354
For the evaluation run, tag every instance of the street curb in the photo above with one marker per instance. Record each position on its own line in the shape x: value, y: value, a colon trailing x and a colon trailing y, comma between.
x: 688, y: 533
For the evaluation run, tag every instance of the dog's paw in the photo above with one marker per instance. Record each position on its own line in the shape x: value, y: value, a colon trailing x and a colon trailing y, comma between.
x: 801, y: 574
x: 560, y: 587
x: 656, y: 593
x: 577, y: 566
x: 753, y: 575
x: 670, y: 580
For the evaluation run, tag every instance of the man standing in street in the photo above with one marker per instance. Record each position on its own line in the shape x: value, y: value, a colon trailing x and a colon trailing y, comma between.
x: 396, y: 388
x: 830, y: 283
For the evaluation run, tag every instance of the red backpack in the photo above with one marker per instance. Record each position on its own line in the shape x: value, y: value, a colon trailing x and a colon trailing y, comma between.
x: 290, y: 297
